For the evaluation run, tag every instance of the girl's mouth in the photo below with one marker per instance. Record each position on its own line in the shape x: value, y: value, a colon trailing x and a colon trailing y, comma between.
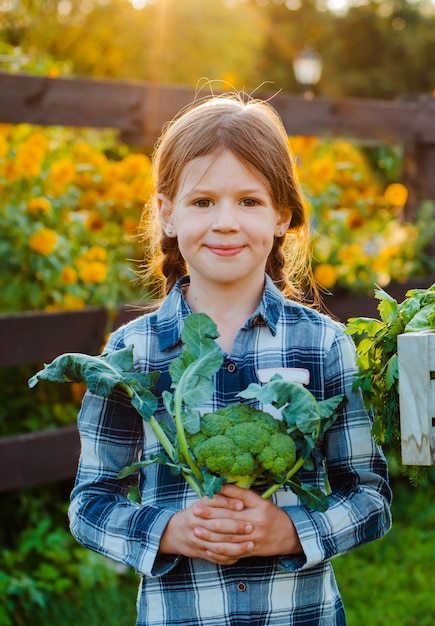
x: 226, y: 251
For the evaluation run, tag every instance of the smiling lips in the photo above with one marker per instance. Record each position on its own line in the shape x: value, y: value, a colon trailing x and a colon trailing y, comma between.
x: 225, y: 250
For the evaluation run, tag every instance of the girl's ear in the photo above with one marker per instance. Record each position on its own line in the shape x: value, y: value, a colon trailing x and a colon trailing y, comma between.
x: 165, y: 215
x: 283, y: 223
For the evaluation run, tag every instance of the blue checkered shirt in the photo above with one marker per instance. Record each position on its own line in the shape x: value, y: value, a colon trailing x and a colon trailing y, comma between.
x: 279, y: 590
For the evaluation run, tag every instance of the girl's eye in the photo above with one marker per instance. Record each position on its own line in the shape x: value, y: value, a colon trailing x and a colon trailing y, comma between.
x: 250, y: 202
x: 203, y: 203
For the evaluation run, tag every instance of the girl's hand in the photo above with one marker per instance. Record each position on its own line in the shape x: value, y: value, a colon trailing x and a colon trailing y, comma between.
x: 273, y: 532
x: 210, y: 530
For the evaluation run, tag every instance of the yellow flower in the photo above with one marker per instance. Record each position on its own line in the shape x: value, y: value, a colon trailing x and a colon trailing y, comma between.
x: 130, y: 225
x: 39, y: 205
x: 93, y: 272
x: 82, y: 151
x: 349, y: 254
x: 4, y: 146
x: 38, y: 141
x: 6, y: 130
x: 396, y: 194
x: 96, y: 253
x: 44, y: 241
x: 27, y: 163
x: 119, y: 194
x: 61, y: 175
x: 141, y: 189
x: 323, y: 170
x: 134, y: 165
x: 302, y: 146
x: 94, y: 221
x: 325, y: 275
x: 53, y: 72
x: 68, y: 276
x: 71, y: 303
x: 354, y: 219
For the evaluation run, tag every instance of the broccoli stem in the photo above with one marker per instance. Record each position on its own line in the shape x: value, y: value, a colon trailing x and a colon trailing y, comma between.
x: 166, y: 443
x: 299, y: 463
x: 178, y: 403
x: 157, y: 429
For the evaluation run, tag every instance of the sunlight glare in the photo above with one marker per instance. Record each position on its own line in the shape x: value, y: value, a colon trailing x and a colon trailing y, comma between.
x: 139, y: 4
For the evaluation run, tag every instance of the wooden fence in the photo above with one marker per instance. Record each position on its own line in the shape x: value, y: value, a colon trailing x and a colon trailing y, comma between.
x: 138, y: 111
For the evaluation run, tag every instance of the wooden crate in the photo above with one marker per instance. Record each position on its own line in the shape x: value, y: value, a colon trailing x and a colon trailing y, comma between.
x: 416, y: 353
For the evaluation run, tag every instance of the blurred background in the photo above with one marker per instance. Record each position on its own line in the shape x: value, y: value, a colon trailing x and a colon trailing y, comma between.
x: 70, y: 203
x: 378, y: 49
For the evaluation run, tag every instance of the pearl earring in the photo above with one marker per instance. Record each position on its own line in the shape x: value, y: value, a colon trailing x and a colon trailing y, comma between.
x: 169, y: 231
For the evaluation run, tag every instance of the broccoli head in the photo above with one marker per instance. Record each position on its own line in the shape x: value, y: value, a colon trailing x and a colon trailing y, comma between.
x: 244, y: 445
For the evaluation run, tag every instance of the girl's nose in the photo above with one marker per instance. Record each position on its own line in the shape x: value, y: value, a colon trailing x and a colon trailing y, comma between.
x: 226, y: 217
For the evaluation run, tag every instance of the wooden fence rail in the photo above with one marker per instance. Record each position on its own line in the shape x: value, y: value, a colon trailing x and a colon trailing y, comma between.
x: 138, y: 111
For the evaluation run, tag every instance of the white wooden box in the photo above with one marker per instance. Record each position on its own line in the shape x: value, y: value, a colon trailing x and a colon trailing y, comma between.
x: 416, y: 352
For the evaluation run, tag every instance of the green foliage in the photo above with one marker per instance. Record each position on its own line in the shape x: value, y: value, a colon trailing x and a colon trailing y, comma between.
x: 23, y: 410
x: 44, y: 568
x: 378, y: 376
x: 192, y: 373
x: 390, y: 581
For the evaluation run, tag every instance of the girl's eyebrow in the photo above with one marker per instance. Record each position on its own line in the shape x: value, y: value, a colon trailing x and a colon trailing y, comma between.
x: 249, y: 191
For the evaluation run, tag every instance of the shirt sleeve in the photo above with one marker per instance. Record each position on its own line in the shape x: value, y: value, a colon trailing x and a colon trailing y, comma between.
x: 102, y: 517
x: 360, y: 499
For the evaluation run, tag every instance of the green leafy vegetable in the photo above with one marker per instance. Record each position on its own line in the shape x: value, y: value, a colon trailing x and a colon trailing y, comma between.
x: 378, y: 375
x: 238, y: 443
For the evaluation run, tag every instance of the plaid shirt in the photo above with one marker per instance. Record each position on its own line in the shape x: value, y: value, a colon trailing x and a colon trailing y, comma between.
x: 175, y: 590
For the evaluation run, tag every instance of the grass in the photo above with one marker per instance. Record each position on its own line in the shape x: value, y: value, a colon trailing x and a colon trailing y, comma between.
x: 390, y: 582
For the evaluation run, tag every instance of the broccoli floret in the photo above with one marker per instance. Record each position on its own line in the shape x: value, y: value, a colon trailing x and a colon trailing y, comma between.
x: 243, y: 445
x: 214, y: 424
x: 279, y: 455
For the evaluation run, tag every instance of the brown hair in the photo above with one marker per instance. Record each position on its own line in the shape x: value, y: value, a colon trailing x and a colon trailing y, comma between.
x: 255, y: 134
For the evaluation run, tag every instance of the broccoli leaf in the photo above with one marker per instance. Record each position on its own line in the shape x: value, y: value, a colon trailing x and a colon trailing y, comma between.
x: 212, y: 484
x: 329, y: 410
x: 201, y: 356
x: 191, y: 421
x: 154, y: 458
x: 313, y: 497
x: 100, y: 373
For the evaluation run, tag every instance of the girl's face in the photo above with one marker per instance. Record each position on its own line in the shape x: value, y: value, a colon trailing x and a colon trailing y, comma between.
x: 224, y: 220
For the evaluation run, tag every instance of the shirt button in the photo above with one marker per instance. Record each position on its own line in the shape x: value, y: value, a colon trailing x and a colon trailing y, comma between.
x: 231, y: 368
x: 241, y: 587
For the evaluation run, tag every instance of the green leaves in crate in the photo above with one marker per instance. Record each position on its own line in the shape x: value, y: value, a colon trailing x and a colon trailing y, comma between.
x: 378, y: 377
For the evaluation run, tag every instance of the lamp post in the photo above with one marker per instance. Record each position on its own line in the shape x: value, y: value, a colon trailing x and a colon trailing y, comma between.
x: 307, y: 67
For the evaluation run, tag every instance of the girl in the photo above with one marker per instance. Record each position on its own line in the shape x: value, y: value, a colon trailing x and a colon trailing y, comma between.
x: 233, y: 243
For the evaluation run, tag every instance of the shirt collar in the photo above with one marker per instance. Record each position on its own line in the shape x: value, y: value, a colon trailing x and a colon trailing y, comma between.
x: 174, y: 309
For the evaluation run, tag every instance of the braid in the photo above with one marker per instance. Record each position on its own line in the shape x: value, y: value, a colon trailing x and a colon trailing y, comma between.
x: 275, y: 266
x: 173, y: 266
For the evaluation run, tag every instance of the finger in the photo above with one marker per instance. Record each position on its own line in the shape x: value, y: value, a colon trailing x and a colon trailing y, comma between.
x: 224, y: 532
x: 221, y: 501
x: 205, y: 511
x: 235, y: 493
x: 229, y: 553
